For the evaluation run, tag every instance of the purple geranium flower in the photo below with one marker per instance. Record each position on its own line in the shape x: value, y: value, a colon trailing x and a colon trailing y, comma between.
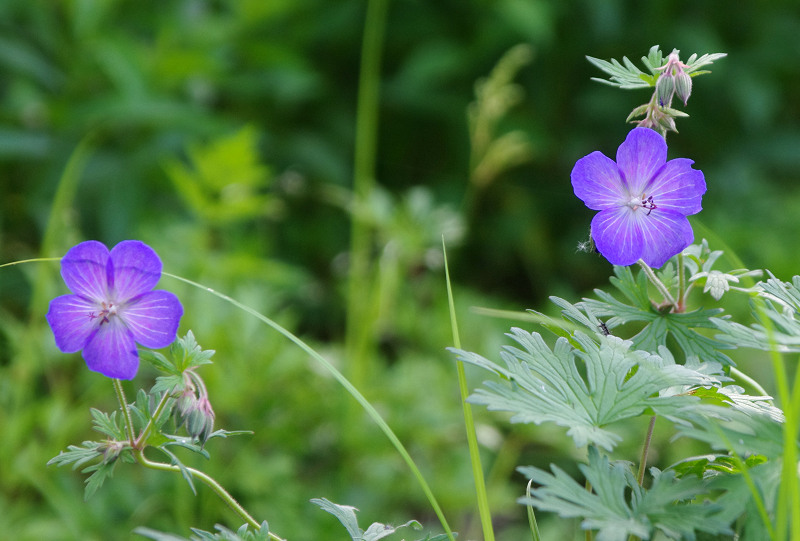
x: 643, y: 199
x: 113, y: 306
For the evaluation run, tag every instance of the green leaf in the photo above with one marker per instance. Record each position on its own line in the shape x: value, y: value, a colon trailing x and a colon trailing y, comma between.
x: 626, y: 75
x: 223, y: 534
x: 77, y: 456
x: 668, y: 506
x: 344, y: 513
x: 186, y: 353
x: 743, y: 431
x: 616, y: 383
x: 782, y: 306
x: 107, y: 424
x: 101, y: 472
x: 169, y: 384
x: 157, y: 359
x: 347, y: 516
x: 659, y: 325
x: 187, y: 475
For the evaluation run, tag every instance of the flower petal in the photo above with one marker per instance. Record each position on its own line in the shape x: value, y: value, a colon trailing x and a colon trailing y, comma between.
x: 153, y: 318
x: 664, y: 234
x: 597, y: 181
x: 678, y: 187
x: 617, y: 235
x: 112, y: 351
x: 639, y: 157
x: 84, y: 270
x: 136, y: 269
x: 70, y: 319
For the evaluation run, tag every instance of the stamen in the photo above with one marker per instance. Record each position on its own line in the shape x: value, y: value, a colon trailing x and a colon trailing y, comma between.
x: 648, y: 203
x: 107, y: 311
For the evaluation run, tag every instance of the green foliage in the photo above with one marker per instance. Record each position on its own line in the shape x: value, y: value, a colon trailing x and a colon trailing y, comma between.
x: 149, y: 416
x: 781, y: 301
x: 659, y: 323
x: 222, y: 534
x: 618, y: 507
x: 226, y: 181
x: 627, y: 76
x: 547, y: 385
x: 347, y: 516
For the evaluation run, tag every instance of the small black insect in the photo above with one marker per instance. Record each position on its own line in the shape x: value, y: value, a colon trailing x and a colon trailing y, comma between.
x: 604, y: 329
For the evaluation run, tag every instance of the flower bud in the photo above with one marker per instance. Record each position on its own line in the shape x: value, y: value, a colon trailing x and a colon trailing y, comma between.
x: 683, y: 86
x: 200, y: 422
x: 665, y: 89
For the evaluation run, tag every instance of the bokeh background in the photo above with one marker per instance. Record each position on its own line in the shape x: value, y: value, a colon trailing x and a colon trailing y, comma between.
x: 223, y: 134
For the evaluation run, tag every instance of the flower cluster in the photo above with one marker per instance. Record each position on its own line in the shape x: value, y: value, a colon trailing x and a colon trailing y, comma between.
x: 112, y: 306
x: 643, y: 199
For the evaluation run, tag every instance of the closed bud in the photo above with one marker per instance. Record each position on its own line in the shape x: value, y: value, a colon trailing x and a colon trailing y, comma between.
x: 665, y: 89
x: 200, y: 421
x: 683, y: 86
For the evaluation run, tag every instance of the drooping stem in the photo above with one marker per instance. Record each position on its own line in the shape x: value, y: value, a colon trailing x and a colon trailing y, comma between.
x: 218, y: 489
x: 123, y: 404
x: 658, y: 283
x: 645, y: 450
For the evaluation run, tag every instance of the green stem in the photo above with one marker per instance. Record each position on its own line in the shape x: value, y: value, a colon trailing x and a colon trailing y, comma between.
x: 682, y: 293
x: 218, y: 489
x: 658, y: 283
x: 738, y: 374
x: 126, y: 413
x: 359, y: 325
x: 469, y: 422
x: 645, y: 451
x: 141, y: 441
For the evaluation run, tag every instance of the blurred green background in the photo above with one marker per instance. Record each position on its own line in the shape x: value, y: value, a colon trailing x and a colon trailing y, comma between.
x: 223, y: 134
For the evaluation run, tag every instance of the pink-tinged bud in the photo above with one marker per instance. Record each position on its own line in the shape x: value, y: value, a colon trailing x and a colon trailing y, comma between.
x: 200, y: 422
x: 683, y: 86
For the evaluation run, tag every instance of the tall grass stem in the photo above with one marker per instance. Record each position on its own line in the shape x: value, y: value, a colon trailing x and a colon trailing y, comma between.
x: 472, y: 438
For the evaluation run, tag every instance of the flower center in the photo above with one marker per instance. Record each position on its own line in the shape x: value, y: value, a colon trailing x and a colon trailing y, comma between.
x: 107, y: 310
x: 644, y: 202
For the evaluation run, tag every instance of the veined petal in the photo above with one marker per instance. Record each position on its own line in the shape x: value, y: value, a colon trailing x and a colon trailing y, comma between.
x: 112, y: 351
x: 639, y: 157
x: 678, y: 187
x: 70, y: 318
x: 617, y: 235
x: 84, y: 269
x: 597, y: 181
x: 136, y: 269
x: 664, y: 234
x: 153, y: 318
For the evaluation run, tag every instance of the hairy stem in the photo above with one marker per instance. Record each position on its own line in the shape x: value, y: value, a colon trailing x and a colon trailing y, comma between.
x: 123, y: 404
x: 682, y: 293
x: 658, y: 283
x: 142, y: 439
x: 645, y: 450
x: 218, y: 489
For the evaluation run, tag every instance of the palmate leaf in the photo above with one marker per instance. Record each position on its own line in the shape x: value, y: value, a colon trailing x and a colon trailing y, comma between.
x: 665, y: 507
x: 659, y: 325
x: 547, y: 386
x: 782, y: 307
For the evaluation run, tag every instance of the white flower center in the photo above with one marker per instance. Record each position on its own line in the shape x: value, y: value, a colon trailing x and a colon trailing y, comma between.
x: 643, y: 202
x: 108, y: 309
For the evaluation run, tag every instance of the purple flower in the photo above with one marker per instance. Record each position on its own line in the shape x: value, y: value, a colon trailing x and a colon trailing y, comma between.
x: 643, y: 199
x: 113, y: 307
